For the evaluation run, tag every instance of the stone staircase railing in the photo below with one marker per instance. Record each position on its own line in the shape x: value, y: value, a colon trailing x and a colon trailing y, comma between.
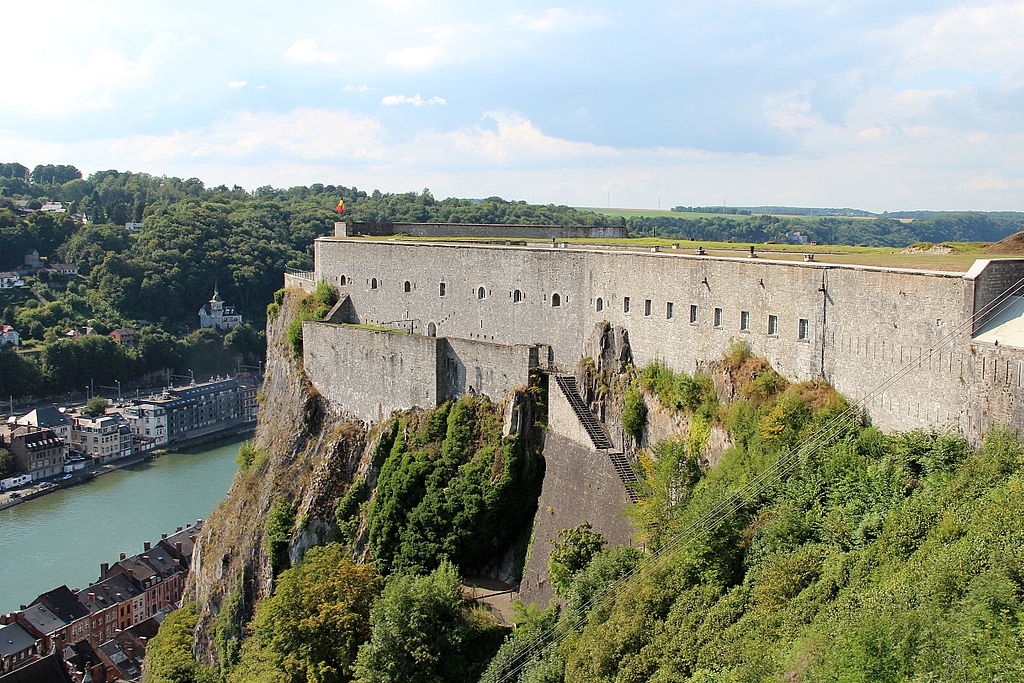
x: 598, y: 436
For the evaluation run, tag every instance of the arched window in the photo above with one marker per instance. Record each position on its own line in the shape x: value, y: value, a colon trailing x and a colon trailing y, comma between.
x: 431, y: 330
x: 556, y: 300
x: 407, y: 286
x: 342, y: 281
x: 373, y: 283
x: 517, y: 296
x: 481, y: 293
x: 600, y: 304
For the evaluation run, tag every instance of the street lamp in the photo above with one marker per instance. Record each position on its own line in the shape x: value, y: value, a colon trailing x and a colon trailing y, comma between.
x: 118, y: 383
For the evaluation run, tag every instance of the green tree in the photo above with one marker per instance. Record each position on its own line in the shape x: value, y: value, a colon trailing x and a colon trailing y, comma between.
x: 309, y: 630
x: 8, y: 464
x: 169, y: 655
x: 95, y: 406
x: 423, y: 632
x: 571, y: 553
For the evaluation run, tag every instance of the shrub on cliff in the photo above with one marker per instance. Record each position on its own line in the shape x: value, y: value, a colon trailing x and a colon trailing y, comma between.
x: 310, y: 629
x: 453, y: 487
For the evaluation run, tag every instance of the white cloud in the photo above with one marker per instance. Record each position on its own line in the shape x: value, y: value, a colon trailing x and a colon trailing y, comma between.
x: 518, y: 140
x: 304, y: 51
x: 237, y: 85
x: 416, y: 100
x: 356, y: 88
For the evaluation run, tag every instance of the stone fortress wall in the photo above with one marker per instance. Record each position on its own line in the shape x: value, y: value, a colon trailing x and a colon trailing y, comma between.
x: 509, y: 309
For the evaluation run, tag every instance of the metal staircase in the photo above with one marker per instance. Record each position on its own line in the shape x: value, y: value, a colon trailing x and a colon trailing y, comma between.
x: 567, y: 383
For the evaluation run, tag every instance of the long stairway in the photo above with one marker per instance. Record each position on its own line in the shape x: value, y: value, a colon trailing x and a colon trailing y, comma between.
x: 567, y: 383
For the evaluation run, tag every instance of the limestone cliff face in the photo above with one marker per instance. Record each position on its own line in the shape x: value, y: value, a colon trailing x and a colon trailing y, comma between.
x: 305, y: 456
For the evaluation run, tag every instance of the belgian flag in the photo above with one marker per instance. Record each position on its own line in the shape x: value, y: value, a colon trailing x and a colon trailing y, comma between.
x: 340, y: 208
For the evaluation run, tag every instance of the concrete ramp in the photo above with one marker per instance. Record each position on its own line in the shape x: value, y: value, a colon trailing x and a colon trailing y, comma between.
x: 1006, y: 327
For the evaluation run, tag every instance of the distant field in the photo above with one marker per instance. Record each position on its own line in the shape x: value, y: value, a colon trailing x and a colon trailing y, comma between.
x: 649, y: 213
x: 659, y: 213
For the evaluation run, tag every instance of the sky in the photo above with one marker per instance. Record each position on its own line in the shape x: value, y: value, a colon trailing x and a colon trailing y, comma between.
x: 872, y: 104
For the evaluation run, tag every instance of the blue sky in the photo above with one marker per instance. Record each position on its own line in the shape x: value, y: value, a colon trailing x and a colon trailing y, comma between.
x: 810, y: 103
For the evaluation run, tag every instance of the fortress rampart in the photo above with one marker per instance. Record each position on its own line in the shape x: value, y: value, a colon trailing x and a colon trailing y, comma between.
x: 503, y: 309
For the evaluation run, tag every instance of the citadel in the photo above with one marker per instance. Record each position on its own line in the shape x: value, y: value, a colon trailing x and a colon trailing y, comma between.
x: 916, y: 348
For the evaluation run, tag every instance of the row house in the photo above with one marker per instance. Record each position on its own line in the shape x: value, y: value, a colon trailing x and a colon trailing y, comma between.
x: 49, y: 417
x: 105, y: 437
x: 187, y: 412
x: 128, y: 593
x: 17, y: 647
x: 38, y: 452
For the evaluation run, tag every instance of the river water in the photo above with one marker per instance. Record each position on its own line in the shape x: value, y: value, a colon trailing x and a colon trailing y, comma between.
x: 62, y: 537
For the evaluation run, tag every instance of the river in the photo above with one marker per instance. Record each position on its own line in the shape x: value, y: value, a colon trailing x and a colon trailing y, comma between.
x: 62, y: 537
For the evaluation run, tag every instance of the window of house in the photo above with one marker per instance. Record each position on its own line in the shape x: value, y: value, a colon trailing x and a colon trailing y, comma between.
x: 373, y: 283
x: 599, y: 304
x: 693, y: 313
x: 481, y: 293
x: 517, y: 296
x: 718, y: 317
x: 440, y: 289
x: 647, y: 307
x: 407, y: 286
x: 625, y: 304
x: 773, y: 324
x: 342, y: 280
x: 556, y: 300
x: 668, y: 310
x: 803, y: 329
x: 745, y: 321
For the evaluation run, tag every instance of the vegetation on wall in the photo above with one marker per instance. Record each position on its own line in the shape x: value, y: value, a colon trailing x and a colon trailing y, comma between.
x: 453, y: 487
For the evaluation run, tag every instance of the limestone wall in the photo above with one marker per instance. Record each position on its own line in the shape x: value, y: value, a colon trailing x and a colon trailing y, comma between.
x: 858, y: 326
x: 368, y: 373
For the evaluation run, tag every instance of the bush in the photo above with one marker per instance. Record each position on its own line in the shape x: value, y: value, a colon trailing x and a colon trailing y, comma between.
x: 326, y: 293
x: 634, y: 414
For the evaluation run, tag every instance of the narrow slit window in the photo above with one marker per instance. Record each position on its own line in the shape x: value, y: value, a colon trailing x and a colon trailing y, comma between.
x: 668, y: 310
x: 440, y: 289
x: 693, y: 313
x: 718, y: 317
x: 556, y: 300
x: 625, y: 304
x: 599, y: 305
x: 647, y: 307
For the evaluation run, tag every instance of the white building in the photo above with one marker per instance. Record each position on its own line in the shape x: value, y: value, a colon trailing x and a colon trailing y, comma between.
x: 8, y: 335
x: 216, y: 313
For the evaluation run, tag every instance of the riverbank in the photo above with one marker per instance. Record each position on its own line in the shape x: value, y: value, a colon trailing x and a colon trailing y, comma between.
x: 63, y: 538
x: 11, y: 498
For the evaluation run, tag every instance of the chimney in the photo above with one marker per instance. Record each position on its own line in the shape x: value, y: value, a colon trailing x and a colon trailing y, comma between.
x: 106, y: 589
x: 163, y: 536
x: 178, y: 529
x: 6, y: 619
x: 104, y: 568
x: 92, y: 596
x: 177, y: 546
x: 124, y: 556
x: 145, y: 546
